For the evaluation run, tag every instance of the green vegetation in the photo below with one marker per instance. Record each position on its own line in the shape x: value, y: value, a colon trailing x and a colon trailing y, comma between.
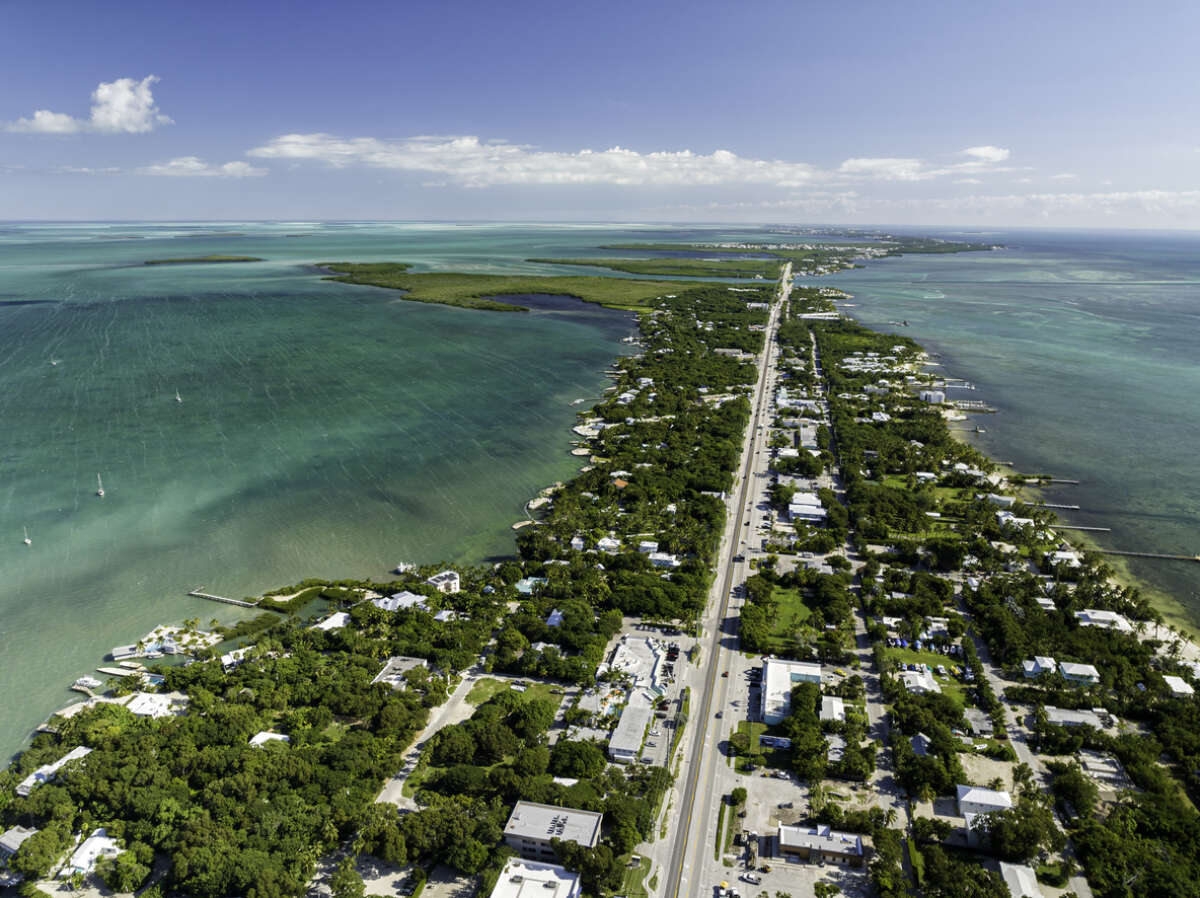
x: 486, y: 689
x: 202, y: 260
x: 472, y: 291
x: 716, y: 268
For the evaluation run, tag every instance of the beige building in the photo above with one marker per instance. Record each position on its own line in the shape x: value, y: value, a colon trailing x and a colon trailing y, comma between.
x: 532, y: 827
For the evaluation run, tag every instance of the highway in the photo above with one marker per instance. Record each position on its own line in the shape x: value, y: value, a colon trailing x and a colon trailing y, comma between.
x: 697, y: 807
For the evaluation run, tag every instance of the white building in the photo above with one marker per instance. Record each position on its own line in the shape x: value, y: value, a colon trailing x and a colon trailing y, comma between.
x: 532, y: 826
x: 405, y: 601
x: 625, y: 742
x: 778, y: 679
x: 445, y: 581
x: 47, y: 772
x: 1180, y: 688
x: 935, y: 397
x: 975, y: 801
x: 335, y: 621
x: 96, y: 846
x: 1041, y: 664
x: 820, y: 844
x: 577, y: 543
x: 529, y: 879
x: 832, y: 708
x: 156, y: 704
x: 1079, y: 673
x: 919, y: 681
x: 662, y: 559
x: 608, y: 545
x: 1020, y: 880
x: 12, y: 840
x: 1107, y: 620
x: 647, y: 546
x: 1064, y: 717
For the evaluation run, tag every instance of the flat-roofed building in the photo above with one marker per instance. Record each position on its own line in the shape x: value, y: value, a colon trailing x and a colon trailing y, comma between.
x: 47, y: 772
x: 528, y: 879
x: 1066, y: 717
x: 1079, y: 673
x: 1107, y: 620
x: 625, y: 742
x: 394, y: 670
x: 1180, y: 688
x: 12, y: 840
x: 446, y: 581
x: 833, y: 708
x: 778, y: 679
x: 531, y: 828
x: 820, y: 843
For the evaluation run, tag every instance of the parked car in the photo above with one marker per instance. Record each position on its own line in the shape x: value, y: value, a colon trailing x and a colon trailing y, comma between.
x: 752, y: 878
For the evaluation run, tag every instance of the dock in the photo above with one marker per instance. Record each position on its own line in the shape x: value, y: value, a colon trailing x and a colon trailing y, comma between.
x: 1159, y: 555
x: 199, y: 593
x: 118, y: 672
x: 1087, y: 529
x: 1063, y: 507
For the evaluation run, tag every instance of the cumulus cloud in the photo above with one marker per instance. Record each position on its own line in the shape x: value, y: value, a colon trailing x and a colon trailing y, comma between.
x: 1064, y: 176
x: 987, y: 153
x: 123, y: 106
x: 195, y: 167
x: 886, y: 169
x: 471, y: 162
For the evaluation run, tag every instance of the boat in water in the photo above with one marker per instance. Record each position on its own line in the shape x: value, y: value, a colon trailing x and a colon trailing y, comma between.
x: 27, y: 540
x: 99, y: 487
x: 87, y: 683
x: 178, y: 398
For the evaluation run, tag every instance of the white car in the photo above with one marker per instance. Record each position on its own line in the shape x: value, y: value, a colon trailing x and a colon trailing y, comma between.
x: 751, y: 877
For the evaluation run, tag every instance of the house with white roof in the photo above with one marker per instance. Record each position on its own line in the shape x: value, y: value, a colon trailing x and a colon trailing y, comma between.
x: 647, y: 546
x: 1041, y: 664
x: 96, y: 846
x: 919, y: 681
x: 12, y: 840
x: 1066, y: 717
x: 47, y: 772
x: 157, y: 704
x: 832, y: 708
x: 445, y: 581
x: 402, y: 601
x: 662, y: 559
x: 1079, y: 673
x: 608, y: 545
x: 1106, y: 620
x: 1180, y: 688
x: 976, y: 801
x: 821, y: 844
x: 1046, y: 603
x: 335, y: 621
x: 577, y: 543
x: 1020, y: 880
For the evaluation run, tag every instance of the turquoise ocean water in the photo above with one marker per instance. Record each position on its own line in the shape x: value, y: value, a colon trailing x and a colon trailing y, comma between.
x: 332, y: 430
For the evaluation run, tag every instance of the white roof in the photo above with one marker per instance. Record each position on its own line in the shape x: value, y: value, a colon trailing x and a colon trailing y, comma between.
x: 1021, y: 880
x: 778, y: 680
x: 94, y: 847
x: 1178, y: 685
x: 267, y: 736
x: 626, y: 738
x: 14, y: 838
x: 401, y: 601
x: 1066, y: 717
x: 47, y: 771
x: 1073, y: 669
x: 980, y: 797
x: 530, y: 820
x: 335, y: 621
x: 832, y: 708
x: 1093, y: 617
x: 156, y: 704
x: 919, y: 681
x: 821, y: 838
x: 529, y: 879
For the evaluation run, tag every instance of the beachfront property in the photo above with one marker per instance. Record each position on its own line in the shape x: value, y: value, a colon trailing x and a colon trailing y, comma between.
x: 1084, y: 674
x: 1180, y: 688
x: 230, y: 660
x: 258, y: 740
x: 1067, y: 557
x: 1106, y: 620
x: 1066, y: 717
x: 446, y: 581
x: 156, y: 704
x: 1021, y: 880
x: 532, y: 826
x: 529, y: 879
x: 832, y: 708
x: 47, y: 772
x: 933, y: 397
x: 1041, y: 664
x: 394, y: 670
x: 404, y: 601
x: 820, y: 844
x: 83, y: 862
x: 779, y: 677
x: 920, y: 681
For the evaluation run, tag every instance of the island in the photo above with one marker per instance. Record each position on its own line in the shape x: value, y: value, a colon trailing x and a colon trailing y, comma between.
x: 202, y: 260
x: 784, y: 626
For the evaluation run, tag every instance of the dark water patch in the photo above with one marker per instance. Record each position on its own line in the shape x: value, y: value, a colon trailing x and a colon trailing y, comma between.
x: 29, y: 302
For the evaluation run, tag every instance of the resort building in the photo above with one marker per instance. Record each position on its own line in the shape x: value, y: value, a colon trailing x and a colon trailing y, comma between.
x: 532, y: 827
x: 1041, y: 664
x: 47, y: 772
x: 821, y: 844
x: 527, y: 879
x: 446, y: 581
x: 778, y: 679
x: 1108, y: 620
x: 1079, y: 673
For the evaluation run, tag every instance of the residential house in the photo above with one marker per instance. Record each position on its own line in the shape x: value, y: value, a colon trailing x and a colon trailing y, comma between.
x: 1079, y: 673
x: 445, y: 582
x: 1041, y: 664
x: 1180, y: 688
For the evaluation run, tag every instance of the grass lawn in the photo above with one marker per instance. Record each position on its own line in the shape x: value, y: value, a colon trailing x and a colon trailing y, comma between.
x: 489, y: 688
x: 916, y: 861
x: 758, y: 755
x: 950, y: 686
x: 790, y: 614
x: 633, y: 884
x: 475, y: 291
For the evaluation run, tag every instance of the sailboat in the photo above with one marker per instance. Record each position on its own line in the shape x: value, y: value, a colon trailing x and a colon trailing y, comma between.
x: 178, y: 398
x: 28, y: 541
x: 99, y: 487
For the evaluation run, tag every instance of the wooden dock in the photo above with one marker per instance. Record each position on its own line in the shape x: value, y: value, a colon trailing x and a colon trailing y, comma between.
x: 119, y: 672
x: 1063, y: 507
x: 199, y: 593
x: 1078, y: 527
x: 1159, y: 555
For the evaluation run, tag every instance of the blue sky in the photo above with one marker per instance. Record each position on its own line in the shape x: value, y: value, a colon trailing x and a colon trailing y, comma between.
x: 1059, y: 114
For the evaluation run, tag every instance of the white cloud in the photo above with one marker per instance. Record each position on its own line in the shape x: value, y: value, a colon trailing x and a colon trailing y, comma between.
x: 967, y: 181
x: 1064, y: 176
x: 886, y: 169
x: 123, y: 106
x: 470, y: 162
x: 987, y: 153
x: 195, y: 167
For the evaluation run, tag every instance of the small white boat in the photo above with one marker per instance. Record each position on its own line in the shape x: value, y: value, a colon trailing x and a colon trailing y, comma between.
x: 28, y: 541
x: 54, y: 361
x: 99, y: 487
x: 87, y: 683
x: 178, y: 398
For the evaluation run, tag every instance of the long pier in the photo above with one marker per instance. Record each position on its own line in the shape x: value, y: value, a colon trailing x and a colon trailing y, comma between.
x: 1078, y: 527
x: 1152, y: 555
x: 1063, y: 507
x: 199, y: 593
